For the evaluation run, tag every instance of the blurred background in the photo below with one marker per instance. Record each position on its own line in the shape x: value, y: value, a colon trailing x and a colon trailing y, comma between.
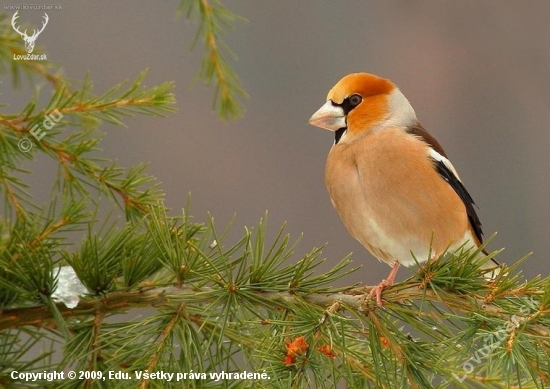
x: 477, y: 74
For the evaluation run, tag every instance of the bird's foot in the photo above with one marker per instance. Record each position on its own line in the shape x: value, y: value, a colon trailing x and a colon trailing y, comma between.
x: 376, y: 291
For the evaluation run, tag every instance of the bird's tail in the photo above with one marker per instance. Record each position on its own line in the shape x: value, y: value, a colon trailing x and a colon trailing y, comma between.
x: 491, y: 264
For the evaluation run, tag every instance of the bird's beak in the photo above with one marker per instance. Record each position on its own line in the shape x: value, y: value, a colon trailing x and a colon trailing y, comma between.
x: 329, y: 117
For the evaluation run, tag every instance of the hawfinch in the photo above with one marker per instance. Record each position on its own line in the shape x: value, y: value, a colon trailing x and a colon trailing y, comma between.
x: 390, y: 180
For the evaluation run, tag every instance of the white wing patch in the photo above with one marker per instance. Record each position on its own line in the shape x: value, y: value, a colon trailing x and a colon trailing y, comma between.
x: 438, y: 157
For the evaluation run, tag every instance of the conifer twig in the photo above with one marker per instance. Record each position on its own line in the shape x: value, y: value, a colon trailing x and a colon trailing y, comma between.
x: 213, y: 16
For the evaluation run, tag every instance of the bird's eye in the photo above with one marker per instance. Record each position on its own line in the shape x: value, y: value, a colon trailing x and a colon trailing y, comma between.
x: 355, y: 100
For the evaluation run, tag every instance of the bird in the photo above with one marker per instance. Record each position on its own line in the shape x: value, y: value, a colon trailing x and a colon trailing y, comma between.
x: 390, y: 181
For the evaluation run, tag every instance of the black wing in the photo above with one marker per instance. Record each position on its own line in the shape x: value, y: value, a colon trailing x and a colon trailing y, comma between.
x: 461, y: 191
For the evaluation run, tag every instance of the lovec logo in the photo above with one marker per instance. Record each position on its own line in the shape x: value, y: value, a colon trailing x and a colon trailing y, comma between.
x: 29, y: 40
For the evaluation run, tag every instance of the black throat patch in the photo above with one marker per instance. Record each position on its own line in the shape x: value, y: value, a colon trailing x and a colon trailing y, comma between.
x: 338, y: 134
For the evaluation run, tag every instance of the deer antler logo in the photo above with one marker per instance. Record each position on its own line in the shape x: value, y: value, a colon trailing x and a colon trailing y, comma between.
x: 29, y: 40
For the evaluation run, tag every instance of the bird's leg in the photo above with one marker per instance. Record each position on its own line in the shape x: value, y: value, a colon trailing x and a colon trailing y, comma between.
x: 376, y: 291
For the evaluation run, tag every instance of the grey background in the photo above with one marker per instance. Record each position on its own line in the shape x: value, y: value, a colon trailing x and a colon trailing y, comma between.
x: 476, y: 73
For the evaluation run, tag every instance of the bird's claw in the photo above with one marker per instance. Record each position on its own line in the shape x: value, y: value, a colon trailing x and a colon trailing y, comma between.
x: 376, y: 292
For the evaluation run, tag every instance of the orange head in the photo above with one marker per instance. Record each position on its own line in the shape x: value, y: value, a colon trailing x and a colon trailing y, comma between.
x: 363, y: 102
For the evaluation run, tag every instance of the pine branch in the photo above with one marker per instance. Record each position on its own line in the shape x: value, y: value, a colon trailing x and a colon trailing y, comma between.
x: 213, y: 17
x: 449, y: 315
x: 168, y: 296
x: 77, y: 169
x: 356, y: 300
